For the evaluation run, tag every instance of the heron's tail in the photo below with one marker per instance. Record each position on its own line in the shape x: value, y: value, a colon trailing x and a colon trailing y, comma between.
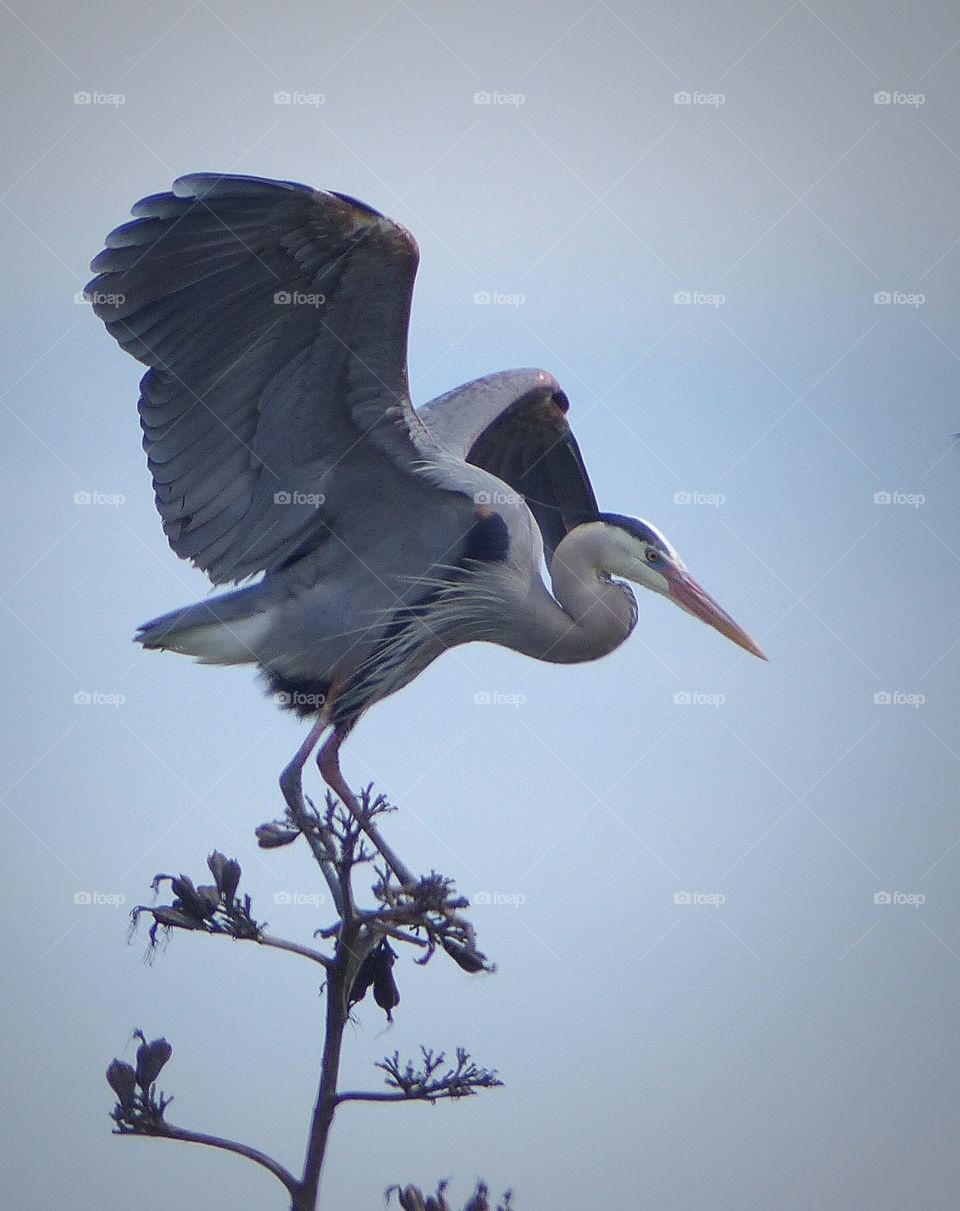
x: 223, y: 630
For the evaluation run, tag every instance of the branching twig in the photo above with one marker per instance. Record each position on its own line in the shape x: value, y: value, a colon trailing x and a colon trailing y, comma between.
x: 424, y: 913
x: 140, y: 1108
x: 413, y: 1083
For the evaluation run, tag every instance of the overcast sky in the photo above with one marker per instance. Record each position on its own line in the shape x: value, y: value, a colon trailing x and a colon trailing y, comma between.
x: 722, y: 894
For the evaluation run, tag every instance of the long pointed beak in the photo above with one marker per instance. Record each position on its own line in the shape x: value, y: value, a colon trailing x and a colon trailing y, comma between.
x: 685, y: 591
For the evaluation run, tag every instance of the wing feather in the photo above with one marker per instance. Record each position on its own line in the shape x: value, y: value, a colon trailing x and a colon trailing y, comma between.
x: 273, y: 319
x: 514, y: 425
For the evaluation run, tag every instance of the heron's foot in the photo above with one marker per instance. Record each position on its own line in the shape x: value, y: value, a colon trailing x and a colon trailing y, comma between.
x: 427, y: 910
x: 305, y: 821
x: 300, y: 809
x: 291, y: 787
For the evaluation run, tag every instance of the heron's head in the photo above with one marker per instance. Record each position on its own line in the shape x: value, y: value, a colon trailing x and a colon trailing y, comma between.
x: 638, y: 552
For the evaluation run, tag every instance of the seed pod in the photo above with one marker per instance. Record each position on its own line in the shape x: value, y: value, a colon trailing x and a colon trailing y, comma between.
x: 273, y: 835
x: 173, y: 918
x: 187, y: 898
x: 226, y: 874
x: 385, y: 990
x: 411, y: 1199
x: 364, y: 978
x: 123, y: 1081
x: 151, y: 1058
x: 209, y: 896
x: 478, y: 1200
x: 437, y: 1202
x: 469, y: 960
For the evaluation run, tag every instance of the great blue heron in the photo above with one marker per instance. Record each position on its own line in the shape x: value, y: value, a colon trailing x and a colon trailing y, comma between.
x: 281, y: 439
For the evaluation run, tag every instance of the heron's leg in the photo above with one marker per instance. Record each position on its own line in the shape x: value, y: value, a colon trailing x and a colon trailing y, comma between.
x: 291, y: 780
x: 291, y: 784
x: 328, y: 759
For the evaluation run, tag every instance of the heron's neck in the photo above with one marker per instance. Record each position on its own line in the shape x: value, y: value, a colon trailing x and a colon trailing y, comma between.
x: 596, y: 614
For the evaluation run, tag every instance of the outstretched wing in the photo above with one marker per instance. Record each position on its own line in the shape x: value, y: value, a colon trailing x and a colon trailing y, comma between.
x: 273, y: 318
x: 514, y: 425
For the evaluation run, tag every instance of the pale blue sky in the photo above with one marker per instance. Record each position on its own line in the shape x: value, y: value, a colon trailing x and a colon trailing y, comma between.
x: 793, y: 1045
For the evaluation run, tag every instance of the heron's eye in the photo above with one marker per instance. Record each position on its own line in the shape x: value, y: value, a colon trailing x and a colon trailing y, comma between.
x: 652, y: 555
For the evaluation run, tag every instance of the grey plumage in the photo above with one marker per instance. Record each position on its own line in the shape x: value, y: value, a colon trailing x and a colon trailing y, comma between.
x: 282, y: 441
